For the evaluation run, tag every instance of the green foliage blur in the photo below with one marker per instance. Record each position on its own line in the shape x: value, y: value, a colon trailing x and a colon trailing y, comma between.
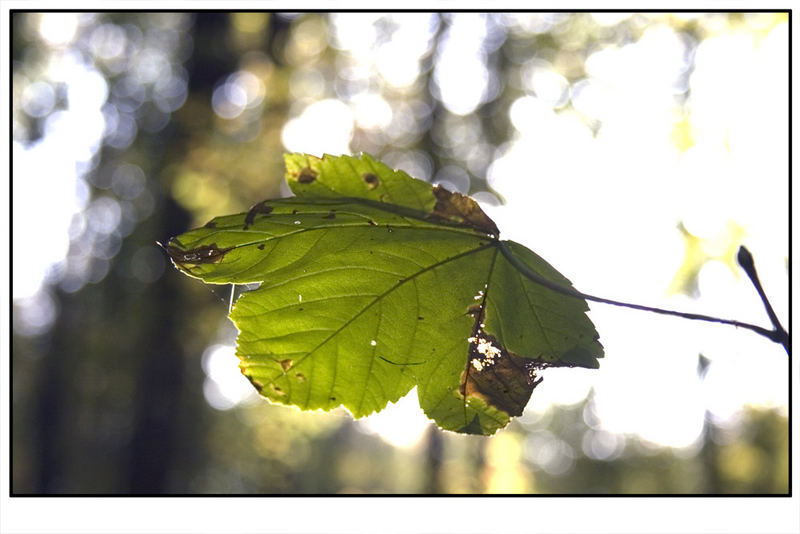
x: 110, y: 394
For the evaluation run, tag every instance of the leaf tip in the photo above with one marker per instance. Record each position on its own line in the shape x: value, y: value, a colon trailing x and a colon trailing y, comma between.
x: 474, y: 427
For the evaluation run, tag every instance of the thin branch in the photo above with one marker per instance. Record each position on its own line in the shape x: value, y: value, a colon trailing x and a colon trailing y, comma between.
x: 746, y: 261
x: 774, y: 335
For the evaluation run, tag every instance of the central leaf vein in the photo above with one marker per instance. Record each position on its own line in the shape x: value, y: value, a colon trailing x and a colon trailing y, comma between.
x: 388, y: 291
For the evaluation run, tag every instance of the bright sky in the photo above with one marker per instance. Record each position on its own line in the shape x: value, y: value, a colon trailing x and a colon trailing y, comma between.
x: 602, y: 209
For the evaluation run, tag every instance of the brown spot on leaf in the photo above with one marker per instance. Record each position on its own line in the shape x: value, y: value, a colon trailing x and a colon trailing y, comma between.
x: 301, y: 377
x: 203, y: 254
x: 372, y: 223
x: 286, y: 364
x: 277, y: 390
x: 461, y: 209
x: 504, y: 380
x: 256, y: 384
x: 371, y: 180
x: 306, y: 175
x: 500, y: 378
x: 259, y: 208
x: 260, y: 247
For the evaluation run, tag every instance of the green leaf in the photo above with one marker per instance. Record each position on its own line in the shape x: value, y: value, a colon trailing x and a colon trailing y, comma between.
x: 374, y: 283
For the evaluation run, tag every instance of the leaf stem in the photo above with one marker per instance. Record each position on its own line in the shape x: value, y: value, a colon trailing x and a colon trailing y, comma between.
x: 777, y: 335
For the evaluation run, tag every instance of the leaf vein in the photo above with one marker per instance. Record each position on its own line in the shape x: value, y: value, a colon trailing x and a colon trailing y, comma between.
x: 394, y: 287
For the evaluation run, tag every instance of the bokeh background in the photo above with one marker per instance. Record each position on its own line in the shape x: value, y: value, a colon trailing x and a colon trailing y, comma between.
x: 635, y: 152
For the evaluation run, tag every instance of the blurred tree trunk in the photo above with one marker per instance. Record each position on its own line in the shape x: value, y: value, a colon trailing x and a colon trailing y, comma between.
x: 154, y: 441
x: 434, y: 454
x: 156, y: 444
x: 709, y: 458
x: 481, y: 473
x: 51, y: 396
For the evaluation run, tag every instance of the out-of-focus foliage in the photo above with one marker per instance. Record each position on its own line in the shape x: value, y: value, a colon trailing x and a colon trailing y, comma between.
x: 567, y: 449
x: 132, y: 127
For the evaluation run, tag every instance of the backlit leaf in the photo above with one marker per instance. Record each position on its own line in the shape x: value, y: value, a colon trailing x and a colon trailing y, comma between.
x: 373, y: 283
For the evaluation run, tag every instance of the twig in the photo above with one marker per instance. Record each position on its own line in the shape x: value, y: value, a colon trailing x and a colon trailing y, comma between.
x: 746, y: 261
x: 778, y: 335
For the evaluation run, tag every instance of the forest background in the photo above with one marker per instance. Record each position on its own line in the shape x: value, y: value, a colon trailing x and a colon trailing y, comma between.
x: 635, y: 152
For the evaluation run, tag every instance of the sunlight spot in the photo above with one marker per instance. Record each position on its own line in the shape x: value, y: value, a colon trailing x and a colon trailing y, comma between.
x: 602, y: 445
x: 241, y: 90
x: 549, y: 453
x: 35, y: 313
x: 323, y: 127
x: 38, y: 99
x: 548, y: 85
x: 58, y: 29
x: 225, y: 386
x: 461, y: 76
x: 372, y: 111
x: 401, y: 424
